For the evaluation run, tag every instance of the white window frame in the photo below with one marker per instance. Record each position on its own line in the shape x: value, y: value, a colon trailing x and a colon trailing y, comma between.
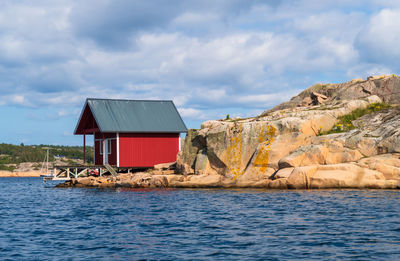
x: 103, y: 145
x: 108, y: 146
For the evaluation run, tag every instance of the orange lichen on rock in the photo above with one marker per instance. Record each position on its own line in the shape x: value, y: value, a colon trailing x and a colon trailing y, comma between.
x: 265, y: 139
x: 234, y: 152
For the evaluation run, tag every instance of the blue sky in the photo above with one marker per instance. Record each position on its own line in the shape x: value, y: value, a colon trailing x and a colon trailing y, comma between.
x: 211, y: 57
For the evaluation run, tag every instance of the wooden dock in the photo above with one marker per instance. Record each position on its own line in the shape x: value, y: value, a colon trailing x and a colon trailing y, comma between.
x: 61, y: 173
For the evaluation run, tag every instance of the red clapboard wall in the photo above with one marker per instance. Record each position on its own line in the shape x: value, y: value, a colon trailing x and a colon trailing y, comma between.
x: 147, y: 149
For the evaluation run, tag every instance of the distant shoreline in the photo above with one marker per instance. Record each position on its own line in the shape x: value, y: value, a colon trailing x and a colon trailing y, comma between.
x: 19, y: 174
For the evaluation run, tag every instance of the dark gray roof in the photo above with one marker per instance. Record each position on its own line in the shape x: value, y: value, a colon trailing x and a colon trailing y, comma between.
x: 136, y: 116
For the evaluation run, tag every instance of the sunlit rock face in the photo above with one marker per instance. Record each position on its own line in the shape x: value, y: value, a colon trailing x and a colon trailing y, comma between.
x: 288, y: 147
x: 287, y: 139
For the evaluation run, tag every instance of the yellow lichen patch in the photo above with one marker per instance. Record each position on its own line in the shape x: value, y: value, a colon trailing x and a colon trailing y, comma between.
x: 266, y: 138
x: 234, y: 152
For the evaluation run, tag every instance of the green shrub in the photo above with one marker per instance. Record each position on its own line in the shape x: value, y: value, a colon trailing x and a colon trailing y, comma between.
x: 5, y: 159
x: 345, y: 122
x: 5, y: 167
x: 15, y: 154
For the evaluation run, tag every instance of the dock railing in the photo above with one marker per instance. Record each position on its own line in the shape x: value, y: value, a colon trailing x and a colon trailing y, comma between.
x: 76, y: 171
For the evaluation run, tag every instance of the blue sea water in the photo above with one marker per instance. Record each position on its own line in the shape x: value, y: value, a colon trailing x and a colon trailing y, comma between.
x: 38, y: 223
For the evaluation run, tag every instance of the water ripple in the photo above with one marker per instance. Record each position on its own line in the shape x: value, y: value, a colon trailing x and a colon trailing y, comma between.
x: 173, y: 224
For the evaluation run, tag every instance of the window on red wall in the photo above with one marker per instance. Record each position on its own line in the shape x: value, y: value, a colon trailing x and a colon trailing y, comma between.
x: 109, y: 146
x: 101, y: 148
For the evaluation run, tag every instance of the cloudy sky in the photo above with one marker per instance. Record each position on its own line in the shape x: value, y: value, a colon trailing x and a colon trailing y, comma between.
x: 211, y: 57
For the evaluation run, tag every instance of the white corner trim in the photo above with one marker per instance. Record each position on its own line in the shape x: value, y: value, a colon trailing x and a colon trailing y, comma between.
x: 103, y: 143
x: 117, y: 149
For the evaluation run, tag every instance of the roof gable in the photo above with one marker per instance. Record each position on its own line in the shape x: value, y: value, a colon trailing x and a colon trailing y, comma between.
x: 135, y: 116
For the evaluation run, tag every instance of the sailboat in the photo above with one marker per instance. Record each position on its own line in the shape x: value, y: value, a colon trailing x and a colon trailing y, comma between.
x: 46, y: 160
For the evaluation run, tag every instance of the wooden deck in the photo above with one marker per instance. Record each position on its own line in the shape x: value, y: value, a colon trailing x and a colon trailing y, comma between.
x: 76, y: 171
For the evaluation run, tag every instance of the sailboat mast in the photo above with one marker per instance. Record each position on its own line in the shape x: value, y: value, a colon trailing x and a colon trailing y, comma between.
x: 47, y: 163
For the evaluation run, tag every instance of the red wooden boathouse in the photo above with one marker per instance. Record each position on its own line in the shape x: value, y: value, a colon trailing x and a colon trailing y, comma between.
x: 131, y: 133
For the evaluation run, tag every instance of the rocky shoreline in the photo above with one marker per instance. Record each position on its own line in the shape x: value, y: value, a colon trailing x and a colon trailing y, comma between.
x: 329, y: 136
x: 333, y: 178
x: 16, y: 174
x: 379, y: 172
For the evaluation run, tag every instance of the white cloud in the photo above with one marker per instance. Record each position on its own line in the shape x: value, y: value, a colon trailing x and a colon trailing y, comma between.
x: 191, y: 113
x: 191, y: 18
x: 67, y: 133
x: 62, y: 113
x: 17, y: 99
x: 211, y: 58
x: 378, y: 42
x: 332, y: 24
x: 180, y: 100
x: 267, y: 99
x: 365, y: 70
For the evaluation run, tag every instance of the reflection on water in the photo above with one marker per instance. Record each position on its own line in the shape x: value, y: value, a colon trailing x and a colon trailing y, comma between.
x: 215, y: 224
